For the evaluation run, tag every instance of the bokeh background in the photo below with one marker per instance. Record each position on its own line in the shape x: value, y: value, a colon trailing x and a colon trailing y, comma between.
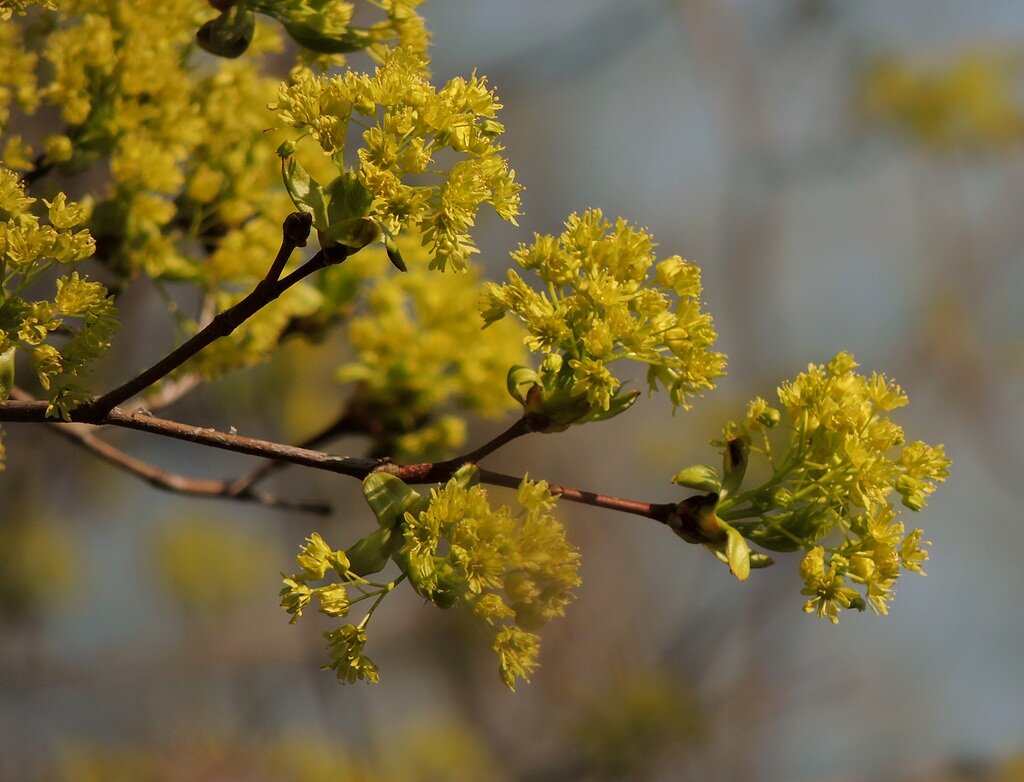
x: 850, y: 176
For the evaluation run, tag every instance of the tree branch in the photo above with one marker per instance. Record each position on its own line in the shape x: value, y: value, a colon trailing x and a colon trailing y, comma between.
x: 81, y: 436
x: 295, y: 232
x: 427, y: 472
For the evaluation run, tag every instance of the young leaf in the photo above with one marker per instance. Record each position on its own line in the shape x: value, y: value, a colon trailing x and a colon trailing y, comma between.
x: 388, y: 497
x: 306, y: 193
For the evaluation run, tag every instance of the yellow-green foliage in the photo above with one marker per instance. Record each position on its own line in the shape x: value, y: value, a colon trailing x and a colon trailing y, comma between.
x: 422, y: 359
x: 64, y: 334
x: 972, y: 101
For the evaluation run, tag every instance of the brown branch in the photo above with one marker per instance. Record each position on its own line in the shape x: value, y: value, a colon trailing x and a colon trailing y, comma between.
x: 35, y: 412
x: 81, y: 436
x: 656, y: 511
x: 296, y: 230
x: 346, y: 423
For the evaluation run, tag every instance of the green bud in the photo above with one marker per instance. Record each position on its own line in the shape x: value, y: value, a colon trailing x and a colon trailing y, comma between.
x: 286, y: 149
x: 781, y: 497
x: 769, y: 418
x: 340, y: 562
x: 519, y: 381
x: 230, y: 34
x: 333, y: 600
x: 700, y: 477
x: 294, y: 598
x: 734, y: 464
x: 758, y: 560
x: 491, y: 128
x: 391, y: 247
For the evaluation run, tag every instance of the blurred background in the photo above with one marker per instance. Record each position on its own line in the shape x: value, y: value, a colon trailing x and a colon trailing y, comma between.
x: 849, y: 176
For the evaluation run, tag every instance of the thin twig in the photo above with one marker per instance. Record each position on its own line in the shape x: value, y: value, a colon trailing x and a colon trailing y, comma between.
x: 266, y: 291
x: 82, y: 436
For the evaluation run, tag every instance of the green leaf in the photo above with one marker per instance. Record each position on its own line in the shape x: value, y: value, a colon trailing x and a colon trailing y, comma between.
x: 388, y: 497
x: 519, y: 381
x: 619, y: 404
x: 348, y: 199
x: 467, y: 476
x: 306, y: 193
x: 6, y: 373
x: 371, y: 554
x: 392, y: 249
x: 230, y: 34
x: 355, y: 233
x: 737, y: 552
x: 700, y: 477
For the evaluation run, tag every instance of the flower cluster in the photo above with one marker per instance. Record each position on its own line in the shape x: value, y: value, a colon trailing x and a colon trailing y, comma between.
x: 515, y: 572
x: 193, y: 193
x: 599, y: 305
x: 398, y: 180
x: 971, y: 102
x: 419, y: 351
x: 833, y: 460
x: 346, y: 643
x: 63, y: 335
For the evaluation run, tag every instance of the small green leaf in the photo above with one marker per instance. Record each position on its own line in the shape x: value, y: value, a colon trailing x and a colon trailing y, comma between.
x: 388, y: 497
x: 519, y: 381
x: 737, y: 552
x: 371, y: 554
x: 355, y: 233
x: 619, y: 404
x: 306, y: 33
x: 758, y: 561
x: 467, y: 476
x: 230, y: 34
x: 392, y: 249
x: 6, y: 373
x: 700, y: 477
x: 348, y: 199
x: 306, y: 193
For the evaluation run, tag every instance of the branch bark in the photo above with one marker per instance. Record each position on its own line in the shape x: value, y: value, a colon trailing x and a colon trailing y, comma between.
x: 17, y: 411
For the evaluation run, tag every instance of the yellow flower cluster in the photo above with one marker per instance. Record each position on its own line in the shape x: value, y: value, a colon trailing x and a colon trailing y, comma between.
x: 63, y: 335
x: 408, y: 124
x: 194, y: 193
x: 599, y: 305
x: 420, y: 352
x: 972, y: 102
x: 515, y: 572
x: 834, y: 459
